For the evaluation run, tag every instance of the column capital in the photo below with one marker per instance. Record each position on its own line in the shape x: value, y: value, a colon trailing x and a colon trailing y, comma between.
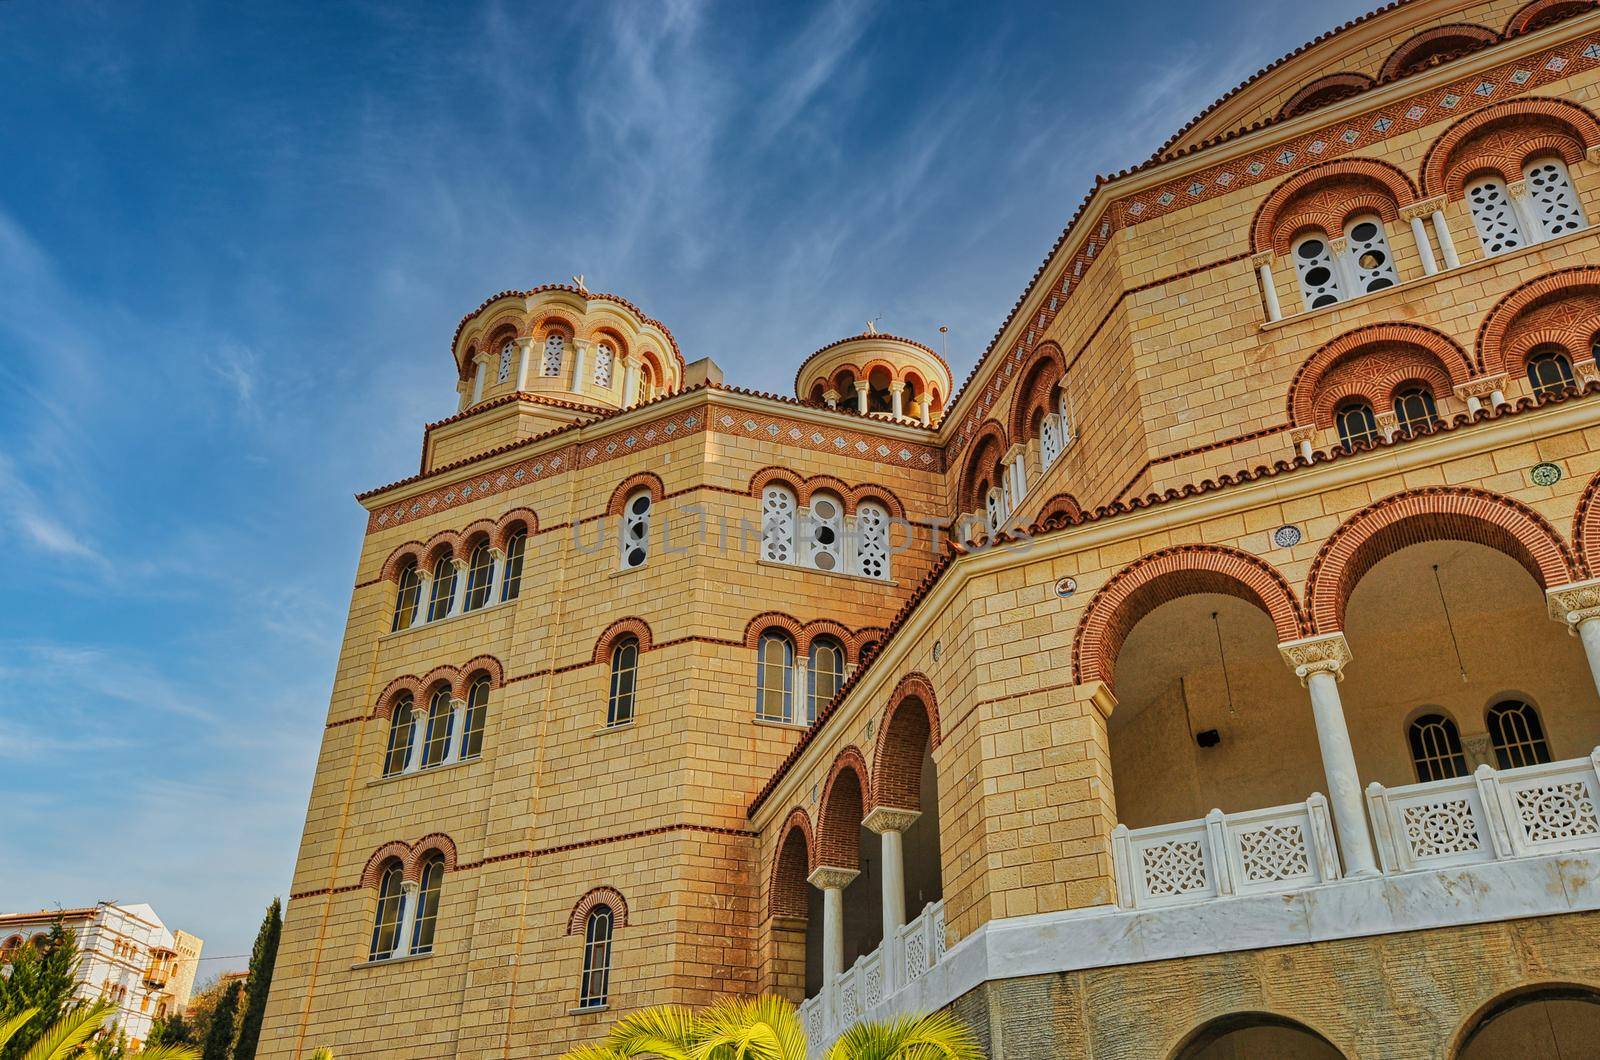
x: 831, y: 396
x: 1340, y: 245
x: 861, y: 386
x: 1262, y: 257
x: 457, y: 704
x: 897, y: 386
x: 1481, y: 387
x: 826, y: 877
x: 1325, y: 654
x: 1308, y: 433
x: 1574, y: 604
x: 1016, y: 450
x: 497, y: 553
x: 1422, y: 208
x: 481, y: 357
x: 410, y: 886
x: 889, y: 819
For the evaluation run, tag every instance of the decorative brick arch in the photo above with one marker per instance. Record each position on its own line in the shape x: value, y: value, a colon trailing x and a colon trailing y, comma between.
x: 872, y: 491
x: 606, y: 896
x: 434, y: 842
x: 551, y: 322
x: 1435, y: 45
x: 622, y: 627
x: 773, y: 620
x: 1541, y: 13
x: 1436, y: 513
x: 1325, y: 90
x: 1059, y: 511
x: 1041, y: 372
x: 1561, y: 308
x: 411, y: 551
x: 407, y: 685
x: 792, y: 861
x: 826, y: 483
x: 1372, y: 361
x: 444, y: 544
x: 1171, y: 574
x: 1502, y: 136
x: 621, y: 349
x: 480, y: 664
x: 1586, y: 528
x: 439, y: 675
x: 909, y: 721
x: 643, y: 480
x: 479, y: 532
x: 507, y: 525
x: 845, y: 799
x: 827, y: 627
x: 1325, y: 196
x: 393, y: 850
x: 780, y: 475
x: 988, y: 446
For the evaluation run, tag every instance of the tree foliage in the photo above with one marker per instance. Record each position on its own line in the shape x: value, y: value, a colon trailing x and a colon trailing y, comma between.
x: 44, y: 974
x: 220, y: 1035
x: 262, y: 958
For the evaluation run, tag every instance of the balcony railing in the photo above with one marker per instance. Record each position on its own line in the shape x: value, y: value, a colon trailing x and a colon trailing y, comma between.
x: 1491, y: 815
x: 875, y: 979
x: 1281, y: 848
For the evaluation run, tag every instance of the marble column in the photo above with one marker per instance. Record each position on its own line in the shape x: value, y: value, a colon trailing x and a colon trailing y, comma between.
x: 1447, y: 246
x: 458, y: 721
x: 891, y: 824
x: 1419, y: 233
x: 1269, y: 287
x: 1339, y: 249
x: 1578, y: 606
x: 458, y: 593
x: 630, y: 385
x: 1527, y: 216
x: 832, y: 882
x: 1303, y: 439
x: 419, y: 614
x: 524, y: 355
x: 830, y: 397
x: 861, y: 396
x: 497, y: 576
x: 482, y: 363
x: 410, y: 898
x: 897, y: 392
x: 1319, y: 663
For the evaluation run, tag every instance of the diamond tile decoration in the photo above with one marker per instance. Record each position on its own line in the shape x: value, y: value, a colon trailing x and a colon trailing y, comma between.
x: 670, y: 429
x: 1256, y: 169
x: 1165, y: 198
x: 1349, y: 136
x: 904, y: 454
x: 750, y: 425
x: 773, y: 429
x: 1556, y: 65
x: 883, y: 450
x: 1136, y: 209
x: 727, y: 421
x: 1484, y: 89
x: 1285, y: 158
x: 1225, y: 179
x: 517, y: 474
x: 1196, y: 188
x: 611, y: 447
x: 1416, y: 112
x: 691, y: 422
x: 1449, y: 101
x: 650, y: 435
x: 1317, y: 147
x: 1520, y: 77
x: 1592, y: 52
x: 816, y: 438
x: 862, y: 447
x: 1383, y: 125
x: 838, y: 443
x: 794, y: 434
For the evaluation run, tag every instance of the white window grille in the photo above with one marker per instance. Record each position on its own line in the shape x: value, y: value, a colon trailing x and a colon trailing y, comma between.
x: 1371, y: 263
x: 1314, y: 267
x: 507, y: 353
x: 603, y: 358
x: 1493, y: 216
x: 1050, y: 439
x: 636, y: 531
x: 872, y: 540
x: 554, y: 348
x: 824, y: 533
x: 1064, y: 410
x: 994, y: 503
x: 777, y: 524
x: 1554, y: 201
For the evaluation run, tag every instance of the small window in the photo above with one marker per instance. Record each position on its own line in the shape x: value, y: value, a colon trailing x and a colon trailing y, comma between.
x: 508, y: 353
x: 775, y: 678
x: 407, y: 599
x: 476, y: 717
x: 994, y: 509
x: 636, y: 530
x: 872, y: 540
x: 480, y: 569
x: 441, y: 716
x: 512, y: 582
x: 824, y: 674
x: 1313, y: 264
x: 428, y: 905
x: 1370, y: 261
x: 1049, y: 439
x: 1493, y: 216
x: 1552, y: 197
x: 824, y: 533
x: 624, y: 675
x: 554, y: 348
x: 1550, y: 371
x: 1356, y: 423
x: 391, y: 904
x: 1517, y: 735
x: 402, y: 730
x: 444, y: 589
x: 603, y: 359
x: 1414, y: 408
x: 1436, y: 748
x: 777, y: 524
x: 596, y: 958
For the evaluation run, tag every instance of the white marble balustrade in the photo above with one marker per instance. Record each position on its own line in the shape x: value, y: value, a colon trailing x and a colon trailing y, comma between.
x: 877, y: 982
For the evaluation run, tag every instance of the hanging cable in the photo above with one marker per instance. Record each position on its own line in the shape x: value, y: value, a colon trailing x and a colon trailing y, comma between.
x: 1222, y: 655
x: 1461, y: 666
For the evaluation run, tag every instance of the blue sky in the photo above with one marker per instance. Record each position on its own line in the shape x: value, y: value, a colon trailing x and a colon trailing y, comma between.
x: 235, y: 241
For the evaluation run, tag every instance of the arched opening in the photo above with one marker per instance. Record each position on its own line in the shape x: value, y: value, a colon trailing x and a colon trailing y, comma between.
x: 1255, y: 1035
x: 1435, y: 46
x: 1555, y: 1022
x: 796, y: 909
x: 879, y: 399
x: 908, y: 780
x: 845, y: 843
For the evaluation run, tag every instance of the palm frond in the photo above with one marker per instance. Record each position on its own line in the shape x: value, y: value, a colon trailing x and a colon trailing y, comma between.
x: 593, y: 1052
x: 68, y: 1033
x: 667, y: 1031
x: 939, y: 1036
x: 762, y: 1028
x: 169, y: 1052
x: 9, y: 1029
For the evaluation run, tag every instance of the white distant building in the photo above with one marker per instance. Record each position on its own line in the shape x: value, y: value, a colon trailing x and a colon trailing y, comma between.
x: 129, y: 958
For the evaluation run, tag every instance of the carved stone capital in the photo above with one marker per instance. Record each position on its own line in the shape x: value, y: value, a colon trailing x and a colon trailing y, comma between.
x: 1517, y: 189
x: 1340, y: 245
x: 1424, y: 209
x: 824, y: 877
x: 1326, y: 654
x: 1262, y: 257
x: 1593, y: 154
x: 889, y: 819
x: 1015, y: 451
x: 1307, y: 433
x: 861, y: 386
x: 497, y: 554
x: 457, y: 704
x: 897, y: 386
x: 1574, y: 604
x: 1482, y: 387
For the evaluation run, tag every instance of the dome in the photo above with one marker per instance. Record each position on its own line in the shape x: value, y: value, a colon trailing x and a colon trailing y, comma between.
x: 877, y: 374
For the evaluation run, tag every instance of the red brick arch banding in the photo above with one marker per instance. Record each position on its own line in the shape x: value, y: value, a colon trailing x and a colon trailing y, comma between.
x: 792, y: 862
x: 602, y: 895
x: 1374, y: 358
x: 1541, y: 13
x: 637, y: 628
x: 987, y: 450
x: 844, y: 803
x: 1503, y: 136
x: 1041, y: 372
x: 910, y: 722
x: 1326, y: 195
x: 1561, y: 308
x: 647, y: 481
x: 1436, y: 44
x: 1586, y: 528
x: 394, y: 850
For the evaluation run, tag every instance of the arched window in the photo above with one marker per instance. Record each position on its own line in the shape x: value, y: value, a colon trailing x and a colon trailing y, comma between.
x: 596, y: 983
x: 1554, y: 202
x: 777, y: 524
x: 1414, y: 408
x: 824, y: 674
x: 428, y: 905
x: 1049, y: 439
x: 823, y: 534
x: 511, y: 584
x: 444, y: 588
x: 480, y: 568
x: 1517, y: 735
x: 476, y: 717
x: 441, y: 716
x: 603, y: 359
x: 391, y: 906
x: 402, y: 730
x: 1370, y: 261
x: 408, y: 598
x: 1436, y: 748
x: 872, y: 540
x: 508, y: 353
x: 995, y: 509
x: 1493, y: 215
x: 1313, y: 265
x: 554, y: 347
x: 1550, y: 371
x: 636, y: 530
x: 624, y: 677
x: 775, y: 677
x: 1356, y: 423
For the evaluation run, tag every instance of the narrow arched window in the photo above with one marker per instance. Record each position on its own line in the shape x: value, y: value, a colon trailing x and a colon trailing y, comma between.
x: 441, y: 717
x: 391, y: 906
x: 823, y: 537
x: 994, y: 509
x: 1436, y: 748
x: 1493, y: 215
x: 824, y: 674
x: 480, y: 569
x: 1550, y: 371
x: 775, y: 678
x: 1049, y: 439
x: 1356, y: 423
x: 636, y: 530
x: 444, y: 588
x: 1517, y: 735
x: 508, y: 353
x: 1414, y: 408
x: 1554, y: 201
x: 511, y: 584
x: 402, y: 730
x: 1371, y: 264
x: 777, y: 524
x: 1314, y: 267
x: 872, y: 540
x: 624, y: 676
x: 407, y: 598
x: 428, y: 905
x: 596, y: 983
x: 554, y: 348
x: 476, y: 717
x: 603, y: 360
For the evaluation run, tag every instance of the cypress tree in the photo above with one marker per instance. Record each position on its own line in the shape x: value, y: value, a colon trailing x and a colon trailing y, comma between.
x: 262, y: 958
x: 220, y: 1037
